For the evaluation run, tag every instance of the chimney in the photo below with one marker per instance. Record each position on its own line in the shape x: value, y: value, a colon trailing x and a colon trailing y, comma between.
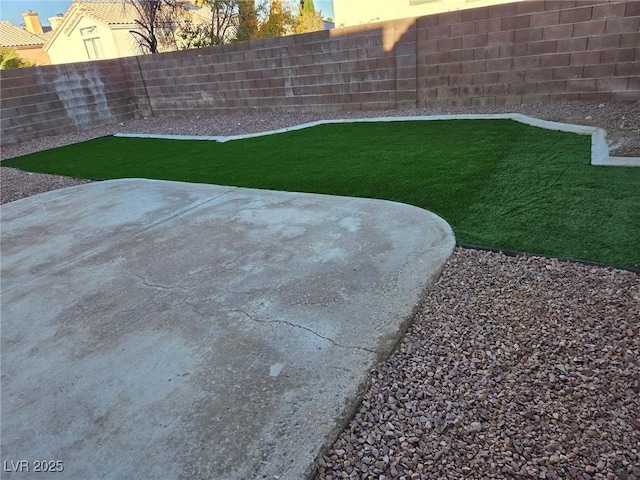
x: 32, y: 22
x: 55, y: 21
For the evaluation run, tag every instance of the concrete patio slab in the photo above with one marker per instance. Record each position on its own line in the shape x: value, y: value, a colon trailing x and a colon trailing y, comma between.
x: 158, y: 329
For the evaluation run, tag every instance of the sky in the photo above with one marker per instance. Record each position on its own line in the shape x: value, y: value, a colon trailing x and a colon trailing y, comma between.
x: 12, y: 10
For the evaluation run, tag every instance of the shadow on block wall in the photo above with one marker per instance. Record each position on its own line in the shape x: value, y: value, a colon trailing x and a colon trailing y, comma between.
x: 524, y: 52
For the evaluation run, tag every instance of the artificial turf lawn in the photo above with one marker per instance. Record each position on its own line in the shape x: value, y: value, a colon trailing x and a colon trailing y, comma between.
x: 499, y: 183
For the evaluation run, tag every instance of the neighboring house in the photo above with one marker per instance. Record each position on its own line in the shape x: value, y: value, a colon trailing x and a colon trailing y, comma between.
x: 359, y: 12
x: 28, y: 42
x: 94, y: 30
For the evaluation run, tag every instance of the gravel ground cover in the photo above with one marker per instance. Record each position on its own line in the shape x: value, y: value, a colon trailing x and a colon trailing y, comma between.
x: 515, y: 367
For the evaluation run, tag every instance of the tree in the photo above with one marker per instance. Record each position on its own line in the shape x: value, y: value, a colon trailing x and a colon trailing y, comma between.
x: 280, y: 21
x: 307, y: 6
x: 227, y: 20
x: 223, y: 19
x: 308, y: 19
x: 9, y: 59
x: 241, y: 20
x: 193, y: 34
x: 247, y: 21
x: 157, y: 21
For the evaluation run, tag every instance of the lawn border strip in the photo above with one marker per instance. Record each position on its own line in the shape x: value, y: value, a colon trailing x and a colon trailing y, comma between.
x: 599, y: 148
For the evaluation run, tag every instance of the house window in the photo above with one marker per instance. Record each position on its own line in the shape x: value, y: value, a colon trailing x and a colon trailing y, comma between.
x: 92, y: 43
x: 93, y: 47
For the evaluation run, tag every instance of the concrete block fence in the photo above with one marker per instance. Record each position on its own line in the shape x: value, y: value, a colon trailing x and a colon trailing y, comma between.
x: 523, y: 52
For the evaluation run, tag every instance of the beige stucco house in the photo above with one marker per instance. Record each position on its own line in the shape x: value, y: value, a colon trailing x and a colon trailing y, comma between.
x: 92, y: 31
x: 360, y: 12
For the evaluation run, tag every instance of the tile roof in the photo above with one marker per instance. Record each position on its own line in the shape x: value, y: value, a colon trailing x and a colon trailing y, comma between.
x: 47, y: 35
x: 14, y: 36
x: 111, y: 13
x: 119, y: 12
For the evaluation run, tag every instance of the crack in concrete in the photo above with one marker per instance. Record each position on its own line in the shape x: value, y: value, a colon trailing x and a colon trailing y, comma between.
x: 230, y: 262
x: 156, y: 285
x: 333, y: 342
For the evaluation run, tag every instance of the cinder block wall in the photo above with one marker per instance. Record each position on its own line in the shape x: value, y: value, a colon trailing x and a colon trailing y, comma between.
x: 530, y: 52
x: 55, y: 99
x: 313, y: 72
x: 525, y: 52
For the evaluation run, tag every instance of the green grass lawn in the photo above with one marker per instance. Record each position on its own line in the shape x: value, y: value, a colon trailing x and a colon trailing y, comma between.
x: 499, y: 183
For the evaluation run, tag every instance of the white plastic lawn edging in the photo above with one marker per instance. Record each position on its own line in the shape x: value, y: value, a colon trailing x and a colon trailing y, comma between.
x: 599, y: 148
